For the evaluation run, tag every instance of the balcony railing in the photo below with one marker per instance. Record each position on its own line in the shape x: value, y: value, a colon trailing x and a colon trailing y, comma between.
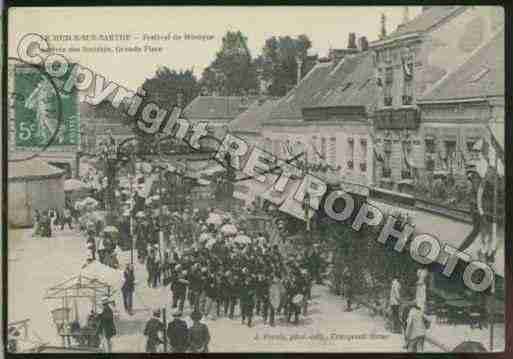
x: 406, y: 175
x: 430, y: 164
x: 386, y: 173
x: 407, y: 100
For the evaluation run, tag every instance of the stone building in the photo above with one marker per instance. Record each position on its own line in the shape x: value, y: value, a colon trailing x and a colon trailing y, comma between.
x: 326, y: 117
x: 217, y: 112
x: 409, y: 63
x: 248, y: 125
x: 466, y: 106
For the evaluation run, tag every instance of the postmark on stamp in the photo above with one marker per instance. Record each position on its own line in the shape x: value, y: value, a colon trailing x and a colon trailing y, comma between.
x: 43, y: 118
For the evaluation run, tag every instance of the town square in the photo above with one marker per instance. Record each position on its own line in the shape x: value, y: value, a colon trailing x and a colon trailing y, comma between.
x: 285, y: 197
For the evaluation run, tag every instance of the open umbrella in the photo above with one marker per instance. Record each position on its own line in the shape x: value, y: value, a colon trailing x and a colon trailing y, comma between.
x: 89, y: 201
x: 242, y: 239
x: 124, y: 183
x: 210, y: 242
x: 204, y: 237
x: 146, y: 167
x: 229, y: 229
x: 74, y: 185
x: 469, y: 347
x: 111, y: 229
x: 215, y: 219
x: 203, y: 182
x: 79, y: 205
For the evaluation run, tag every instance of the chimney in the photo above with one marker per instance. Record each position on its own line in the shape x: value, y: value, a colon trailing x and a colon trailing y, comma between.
x: 299, y: 62
x: 363, y: 44
x: 406, y: 15
x: 351, y: 42
x: 383, y: 32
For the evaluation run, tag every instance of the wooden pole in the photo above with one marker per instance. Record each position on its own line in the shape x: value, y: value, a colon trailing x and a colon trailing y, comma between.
x: 494, y: 239
x: 130, y: 218
x: 165, y: 329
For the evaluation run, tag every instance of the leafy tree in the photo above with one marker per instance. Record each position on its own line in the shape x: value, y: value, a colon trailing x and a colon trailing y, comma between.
x: 278, y: 62
x: 166, y: 85
x: 232, y: 72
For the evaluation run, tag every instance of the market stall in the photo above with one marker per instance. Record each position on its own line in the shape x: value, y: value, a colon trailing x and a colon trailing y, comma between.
x: 75, y: 303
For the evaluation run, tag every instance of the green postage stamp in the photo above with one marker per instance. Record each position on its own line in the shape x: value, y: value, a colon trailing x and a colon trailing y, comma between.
x: 44, y: 116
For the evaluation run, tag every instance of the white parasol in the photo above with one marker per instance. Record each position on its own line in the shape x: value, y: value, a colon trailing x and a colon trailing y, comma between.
x: 111, y: 229
x: 229, y: 229
x: 242, y: 239
x: 90, y: 202
x: 124, y: 183
x: 203, y: 182
x: 204, y: 236
x: 210, y: 242
x: 215, y: 219
x: 79, y: 205
x: 74, y: 185
x: 146, y: 167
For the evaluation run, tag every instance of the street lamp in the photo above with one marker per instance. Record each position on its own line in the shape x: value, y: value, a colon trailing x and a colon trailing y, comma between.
x: 132, y: 237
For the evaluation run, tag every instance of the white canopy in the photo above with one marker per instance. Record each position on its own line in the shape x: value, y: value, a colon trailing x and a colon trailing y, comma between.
x: 74, y: 185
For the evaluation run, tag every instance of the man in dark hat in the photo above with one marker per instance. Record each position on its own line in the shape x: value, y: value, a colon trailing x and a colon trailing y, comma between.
x: 91, y: 243
x: 142, y: 229
x: 199, y: 336
x: 233, y: 292
x: 153, y: 327
x: 179, y: 288
x: 106, y: 328
x: 177, y: 333
x: 210, y: 288
x: 247, y: 299
x: 195, y: 285
x: 261, y: 293
x: 128, y: 288
x: 151, y: 267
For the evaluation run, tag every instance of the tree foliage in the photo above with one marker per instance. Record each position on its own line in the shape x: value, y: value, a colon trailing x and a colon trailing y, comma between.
x: 166, y: 85
x: 233, y: 71
x: 278, y: 62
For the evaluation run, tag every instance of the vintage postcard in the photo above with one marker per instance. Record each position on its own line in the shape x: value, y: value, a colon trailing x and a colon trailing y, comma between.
x: 255, y: 179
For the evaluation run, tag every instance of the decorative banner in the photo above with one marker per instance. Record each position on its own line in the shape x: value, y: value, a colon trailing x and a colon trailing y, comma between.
x: 407, y: 70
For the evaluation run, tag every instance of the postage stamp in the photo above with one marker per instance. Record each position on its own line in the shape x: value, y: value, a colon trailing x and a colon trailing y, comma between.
x: 44, y: 117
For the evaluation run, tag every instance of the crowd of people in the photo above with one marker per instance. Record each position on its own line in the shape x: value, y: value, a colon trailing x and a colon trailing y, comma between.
x: 47, y: 221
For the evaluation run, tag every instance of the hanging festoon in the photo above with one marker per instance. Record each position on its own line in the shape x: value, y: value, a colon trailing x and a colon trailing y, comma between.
x: 379, y: 81
x: 407, y: 69
x: 406, y: 149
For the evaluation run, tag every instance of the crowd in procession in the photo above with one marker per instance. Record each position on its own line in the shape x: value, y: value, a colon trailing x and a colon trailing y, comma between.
x: 214, y: 263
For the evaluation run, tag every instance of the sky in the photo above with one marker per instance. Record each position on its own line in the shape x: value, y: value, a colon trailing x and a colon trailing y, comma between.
x: 327, y: 27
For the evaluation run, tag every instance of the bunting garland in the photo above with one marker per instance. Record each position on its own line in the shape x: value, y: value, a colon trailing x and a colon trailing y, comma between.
x: 379, y: 81
x: 407, y: 69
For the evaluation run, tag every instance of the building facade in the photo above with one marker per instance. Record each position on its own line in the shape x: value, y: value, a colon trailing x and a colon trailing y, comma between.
x: 326, y: 118
x: 409, y: 63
